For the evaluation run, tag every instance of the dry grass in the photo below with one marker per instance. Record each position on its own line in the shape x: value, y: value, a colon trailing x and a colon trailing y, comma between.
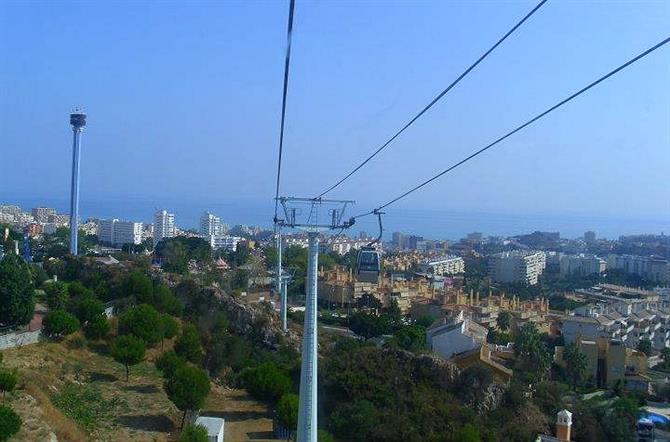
x: 139, y: 410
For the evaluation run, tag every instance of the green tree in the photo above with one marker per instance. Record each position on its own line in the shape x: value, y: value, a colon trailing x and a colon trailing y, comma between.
x: 139, y: 286
x: 16, y: 291
x: 187, y: 389
x: 504, y: 320
x: 169, y: 327
x: 188, y: 344
x: 142, y: 321
x: 128, y: 350
x: 86, y: 308
x: 8, y: 380
x: 59, y: 323
x: 193, y: 433
x: 533, y: 357
x: 287, y: 413
x: 97, y: 328
x: 354, y: 421
x: 425, y: 321
x: 166, y: 301
x: 411, y: 338
x: 665, y: 355
x: 168, y: 363
x: 575, y: 364
x: 644, y: 346
x: 56, y: 295
x: 10, y: 423
x: 266, y: 382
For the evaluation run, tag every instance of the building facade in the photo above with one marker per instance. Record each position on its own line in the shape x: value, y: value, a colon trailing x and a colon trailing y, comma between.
x: 517, y: 267
x: 42, y: 214
x: 210, y: 224
x: 164, y: 226
x: 582, y: 265
x: 443, y: 266
x: 118, y: 233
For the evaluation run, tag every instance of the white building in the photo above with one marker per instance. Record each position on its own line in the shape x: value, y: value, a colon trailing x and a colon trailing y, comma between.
x: 210, y: 224
x: 118, y: 233
x: 458, y: 335
x: 443, y: 265
x: 214, y: 426
x: 649, y: 267
x: 582, y: 265
x: 163, y: 226
x: 518, y: 267
x: 224, y: 242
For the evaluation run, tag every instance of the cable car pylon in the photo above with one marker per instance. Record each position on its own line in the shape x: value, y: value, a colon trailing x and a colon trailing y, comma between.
x: 307, y: 406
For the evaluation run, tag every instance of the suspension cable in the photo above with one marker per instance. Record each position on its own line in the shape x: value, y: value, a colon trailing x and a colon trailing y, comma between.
x: 523, y: 126
x: 287, y: 62
x: 436, y: 99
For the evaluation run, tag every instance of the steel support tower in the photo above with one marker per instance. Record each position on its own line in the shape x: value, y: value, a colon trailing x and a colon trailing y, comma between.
x: 307, y: 406
x: 280, y: 281
x: 78, y: 121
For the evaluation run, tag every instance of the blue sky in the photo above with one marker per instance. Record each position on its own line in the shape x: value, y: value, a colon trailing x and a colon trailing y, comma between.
x: 184, y: 99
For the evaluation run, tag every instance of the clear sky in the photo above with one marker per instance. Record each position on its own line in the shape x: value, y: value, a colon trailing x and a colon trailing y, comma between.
x: 184, y: 98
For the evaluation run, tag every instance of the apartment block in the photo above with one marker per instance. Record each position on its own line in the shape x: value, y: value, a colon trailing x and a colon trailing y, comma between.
x: 517, y: 267
x: 118, y: 233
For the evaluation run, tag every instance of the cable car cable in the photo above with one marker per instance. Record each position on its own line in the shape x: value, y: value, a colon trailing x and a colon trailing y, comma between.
x: 519, y: 128
x: 436, y: 99
x: 287, y: 63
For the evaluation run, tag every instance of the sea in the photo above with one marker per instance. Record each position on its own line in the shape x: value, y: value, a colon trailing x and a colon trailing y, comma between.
x: 429, y: 223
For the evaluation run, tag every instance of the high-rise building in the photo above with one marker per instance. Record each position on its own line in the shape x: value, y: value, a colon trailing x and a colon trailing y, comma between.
x: 118, y: 233
x: 517, y: 267
x: 42, y: 214
x: 589, y: 237
x: 163, y: 226
x: 210, y: 224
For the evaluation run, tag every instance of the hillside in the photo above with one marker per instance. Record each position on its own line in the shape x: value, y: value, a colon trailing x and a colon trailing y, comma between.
x: 79, y: 394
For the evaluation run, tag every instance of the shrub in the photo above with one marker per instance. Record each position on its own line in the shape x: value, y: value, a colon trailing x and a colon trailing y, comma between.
x: 59, y: 323
x: 10, y: 423
x: 8, y: 380
x: 266, y: 382
x: 193, y: 433
x: 97, y: 328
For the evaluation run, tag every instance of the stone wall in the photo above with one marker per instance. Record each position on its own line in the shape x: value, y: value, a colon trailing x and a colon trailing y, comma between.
x: 11, y: 340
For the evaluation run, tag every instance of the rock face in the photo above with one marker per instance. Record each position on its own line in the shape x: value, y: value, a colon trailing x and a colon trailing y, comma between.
x: 259, y: 322
x: 490, y: 399
x: 443, y: 372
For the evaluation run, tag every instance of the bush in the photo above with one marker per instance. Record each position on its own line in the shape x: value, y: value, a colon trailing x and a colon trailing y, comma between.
x: 59, y: 323
x: 193, y: 433
x: 10, y: 423
x: 86, y: 308
x: 287, y: 412
x: 8, y: 380
x: 76, y: 342
x: 97, y: 328
x: 266, y: 382
x: 169, y: 326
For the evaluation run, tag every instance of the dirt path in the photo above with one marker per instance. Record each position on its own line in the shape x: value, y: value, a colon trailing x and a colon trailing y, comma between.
x: 246, y: 418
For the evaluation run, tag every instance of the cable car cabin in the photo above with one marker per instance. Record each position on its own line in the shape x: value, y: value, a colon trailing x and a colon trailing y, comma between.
x: 368, y: 265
